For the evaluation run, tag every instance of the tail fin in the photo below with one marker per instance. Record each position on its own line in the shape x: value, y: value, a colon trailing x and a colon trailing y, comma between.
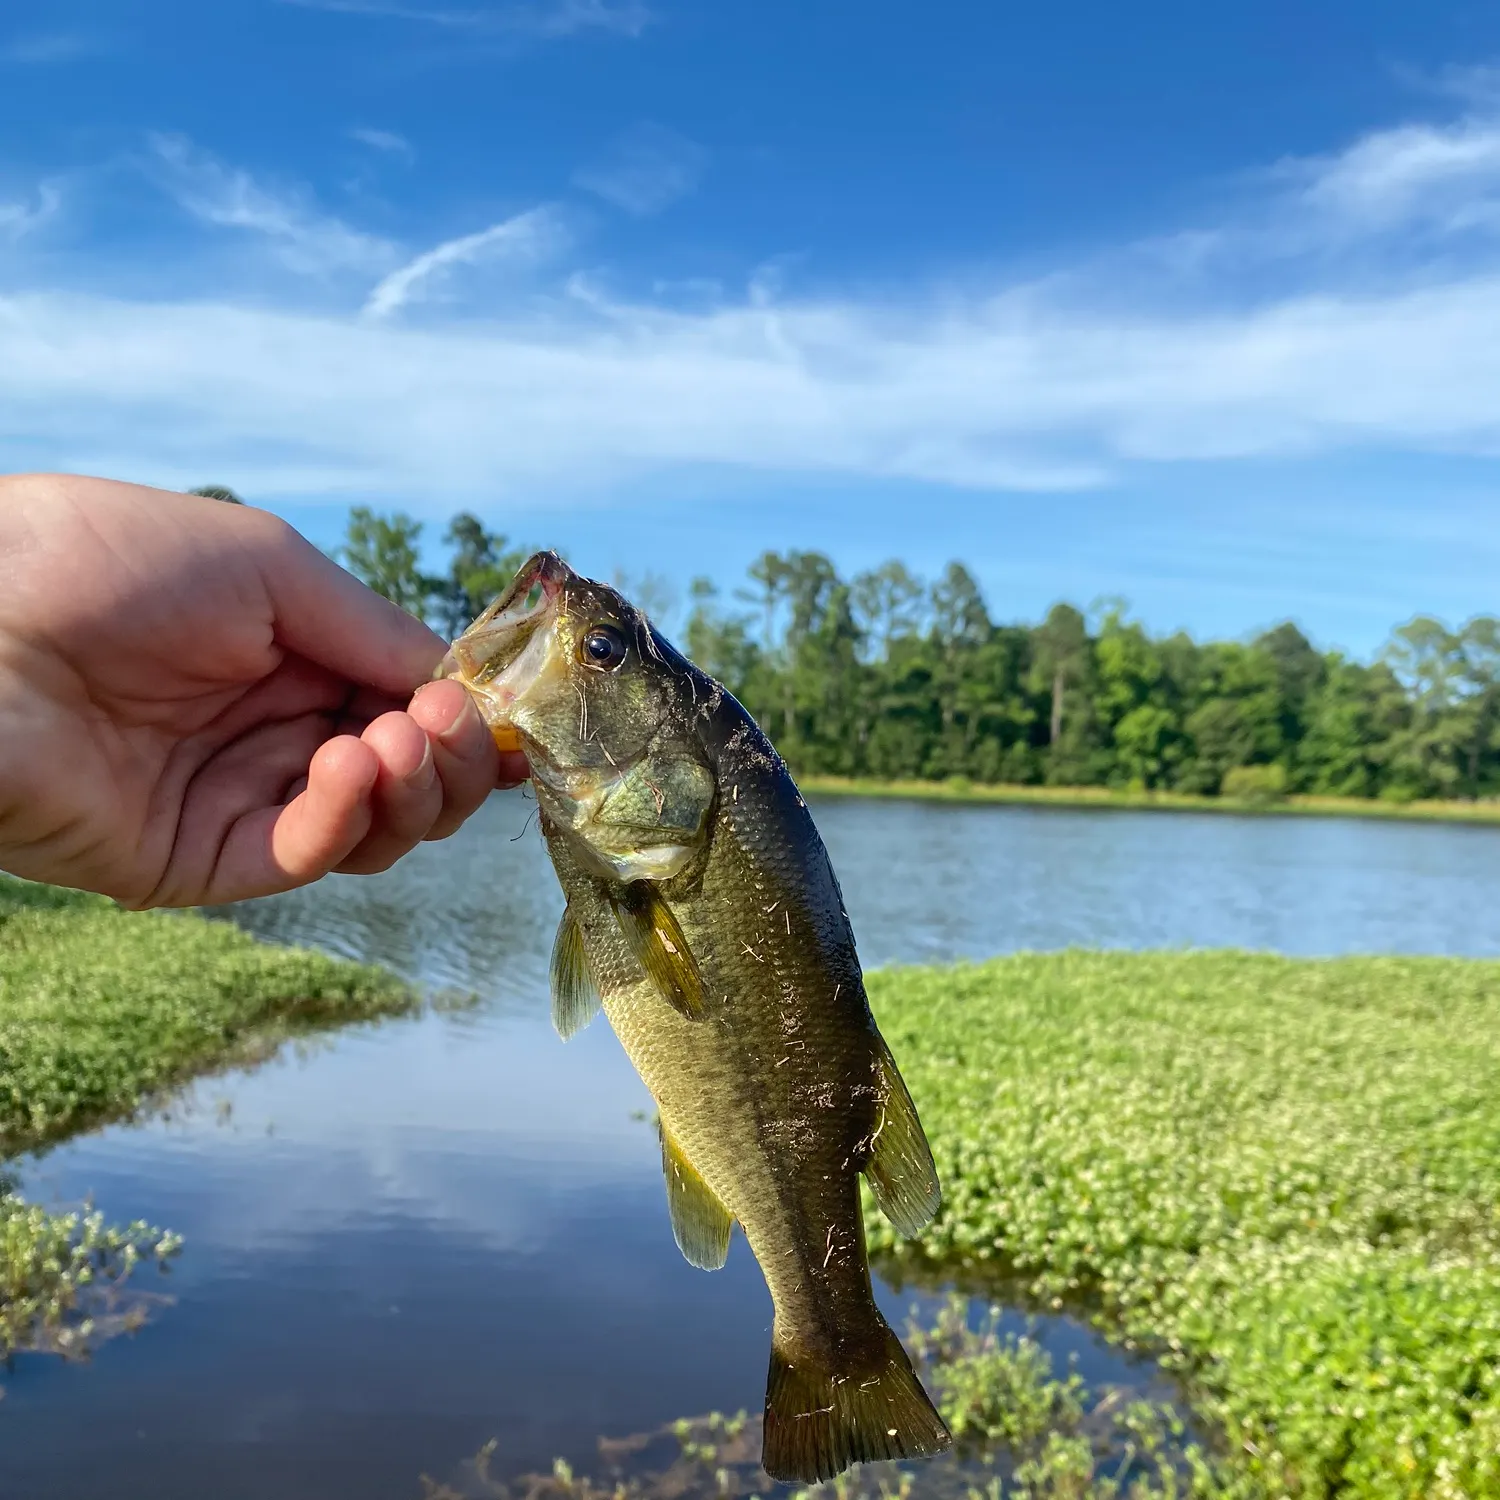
x: 818, y: 1422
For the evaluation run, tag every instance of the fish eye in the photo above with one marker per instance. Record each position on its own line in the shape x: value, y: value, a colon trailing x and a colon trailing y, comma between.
x: 602, y: 648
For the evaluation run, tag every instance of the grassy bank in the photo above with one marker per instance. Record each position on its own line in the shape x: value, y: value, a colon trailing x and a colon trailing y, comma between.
x: 961, y: 790
x: 102, y: 1009
x: 1283, y: 1176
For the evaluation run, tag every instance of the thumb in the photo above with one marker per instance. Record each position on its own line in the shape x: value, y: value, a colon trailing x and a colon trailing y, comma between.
x: 327, y: 615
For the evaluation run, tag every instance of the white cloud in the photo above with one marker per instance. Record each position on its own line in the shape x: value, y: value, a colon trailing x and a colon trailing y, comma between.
x: 648, y: 168
x: 551, y: 18
x: 1008, y: 394
x: 1056, y: 385
x: 389, y: 141
x: 522, y: 240
x: 18, y: 219
x: 306, y: 240
x: 1434, y: 174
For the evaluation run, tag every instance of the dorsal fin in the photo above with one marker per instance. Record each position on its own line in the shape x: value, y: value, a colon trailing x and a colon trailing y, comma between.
x: 700, y: 1223
x: 575, y: 997
x: 656, y: 939
x: 900, y: 1169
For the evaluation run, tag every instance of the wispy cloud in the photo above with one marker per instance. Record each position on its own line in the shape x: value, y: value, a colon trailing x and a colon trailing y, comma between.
x: 18, y: 219
x: 1011, y: 393
x: 389, y: 141
x: 43, y: 47
x: 1442, y: 176
x: 524, y: 239
x: 648, y: 168
x: 1386, y: 202
x: 1059, y: 384
x: 305, y: 239
x: 549, y: 18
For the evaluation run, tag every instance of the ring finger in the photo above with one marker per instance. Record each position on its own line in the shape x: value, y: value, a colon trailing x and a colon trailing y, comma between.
x: 407, y: 797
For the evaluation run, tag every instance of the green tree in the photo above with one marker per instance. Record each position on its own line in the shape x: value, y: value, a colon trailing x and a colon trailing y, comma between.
x: 1136, y: 701
x: 1426, y: 758
x: 481, y: 565
x: 652, y: 593
x: 217, y: 492
x: 381, y: 551
x: 959, y: 617
x: 886, y: 603
x: 1300, y: 672
x: 721, y: 645
x: 1146, y: 738
x: 880, y: 677
x: 1237, y: 720
x: 1060, y: 660
x: 1479, y: 645
x: 770, y: 573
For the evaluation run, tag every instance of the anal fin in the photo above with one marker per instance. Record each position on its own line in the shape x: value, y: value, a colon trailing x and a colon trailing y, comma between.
x: 900, y: 1168
x: 575, y: 997
x: 656, y: 939
x: 700, y: 1223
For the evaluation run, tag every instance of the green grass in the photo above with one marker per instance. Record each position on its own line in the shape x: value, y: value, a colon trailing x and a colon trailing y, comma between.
x: 101, y: 1010
x: 1282, y: 1176
x: 961, y: 790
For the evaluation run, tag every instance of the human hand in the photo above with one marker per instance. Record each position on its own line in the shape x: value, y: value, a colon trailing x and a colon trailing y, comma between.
x: 197, y: 706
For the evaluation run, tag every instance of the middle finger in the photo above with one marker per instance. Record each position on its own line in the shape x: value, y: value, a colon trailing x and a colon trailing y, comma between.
x: 407, y: 798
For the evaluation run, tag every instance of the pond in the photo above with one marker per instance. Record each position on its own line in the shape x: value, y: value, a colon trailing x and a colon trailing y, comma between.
x: 412, y: 1239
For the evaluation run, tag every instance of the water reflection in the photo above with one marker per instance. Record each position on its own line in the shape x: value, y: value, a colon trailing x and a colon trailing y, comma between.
x: 439, y: 1232
x: 476, y: 912
x: 928, y: 881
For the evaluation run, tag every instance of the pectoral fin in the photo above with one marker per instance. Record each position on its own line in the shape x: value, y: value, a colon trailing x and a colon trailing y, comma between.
x: 656, y: 939
x: 900, y: 1169
x: 700, y: 1222
x: 575, y: 998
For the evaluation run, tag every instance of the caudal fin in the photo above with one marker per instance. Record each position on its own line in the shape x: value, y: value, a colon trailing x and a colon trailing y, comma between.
x: 819, y: 1421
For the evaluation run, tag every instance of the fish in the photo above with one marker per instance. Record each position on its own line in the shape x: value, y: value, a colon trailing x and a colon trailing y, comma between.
x: 703, y: 916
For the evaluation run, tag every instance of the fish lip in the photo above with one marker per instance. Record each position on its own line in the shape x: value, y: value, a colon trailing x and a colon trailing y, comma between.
x: 502, y: 622
x: 546, y: 568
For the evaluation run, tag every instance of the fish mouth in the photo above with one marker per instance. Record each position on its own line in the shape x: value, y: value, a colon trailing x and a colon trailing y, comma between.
x: 504, y: 651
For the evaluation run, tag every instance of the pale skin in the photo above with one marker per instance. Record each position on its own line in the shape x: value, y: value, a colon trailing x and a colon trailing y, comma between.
x: 197, y: 706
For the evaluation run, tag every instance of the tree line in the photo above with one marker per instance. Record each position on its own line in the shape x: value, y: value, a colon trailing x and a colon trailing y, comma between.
x: 888, y: 675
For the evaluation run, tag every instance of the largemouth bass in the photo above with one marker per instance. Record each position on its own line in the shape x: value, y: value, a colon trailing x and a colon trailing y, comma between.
x: 705, y: 917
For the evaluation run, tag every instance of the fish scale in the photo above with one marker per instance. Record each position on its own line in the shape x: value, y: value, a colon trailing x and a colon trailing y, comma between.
x: 705, y: 914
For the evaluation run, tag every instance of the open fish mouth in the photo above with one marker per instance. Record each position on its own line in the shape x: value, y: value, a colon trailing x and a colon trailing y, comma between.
x: 504, y: 651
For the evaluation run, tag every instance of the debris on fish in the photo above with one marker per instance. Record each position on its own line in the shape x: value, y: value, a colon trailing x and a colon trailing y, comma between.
x: 703, y: 915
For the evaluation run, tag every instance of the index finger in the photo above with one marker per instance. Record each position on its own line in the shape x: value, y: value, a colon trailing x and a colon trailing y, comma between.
x: 328, y: 616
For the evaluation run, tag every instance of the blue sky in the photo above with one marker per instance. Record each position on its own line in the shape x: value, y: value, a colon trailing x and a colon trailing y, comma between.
x: 1195, y: 304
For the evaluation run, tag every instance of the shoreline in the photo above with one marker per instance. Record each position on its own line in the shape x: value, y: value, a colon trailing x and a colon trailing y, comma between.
x: 103, y: 1012
x: 1003, y: 794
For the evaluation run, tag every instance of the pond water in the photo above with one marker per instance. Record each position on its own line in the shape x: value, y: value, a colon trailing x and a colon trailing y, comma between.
x: 410, y: 1239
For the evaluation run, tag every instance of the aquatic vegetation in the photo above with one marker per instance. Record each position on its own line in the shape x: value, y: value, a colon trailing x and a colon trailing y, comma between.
x: 101, y: 1010
x: 1021, y: 1430
x: 60, y: 1276
x: 1279, y: 1177
x: 1283, y: 1176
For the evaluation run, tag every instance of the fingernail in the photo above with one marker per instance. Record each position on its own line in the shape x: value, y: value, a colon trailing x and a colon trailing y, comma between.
x: 462, y: 726
x: 425, y: 773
